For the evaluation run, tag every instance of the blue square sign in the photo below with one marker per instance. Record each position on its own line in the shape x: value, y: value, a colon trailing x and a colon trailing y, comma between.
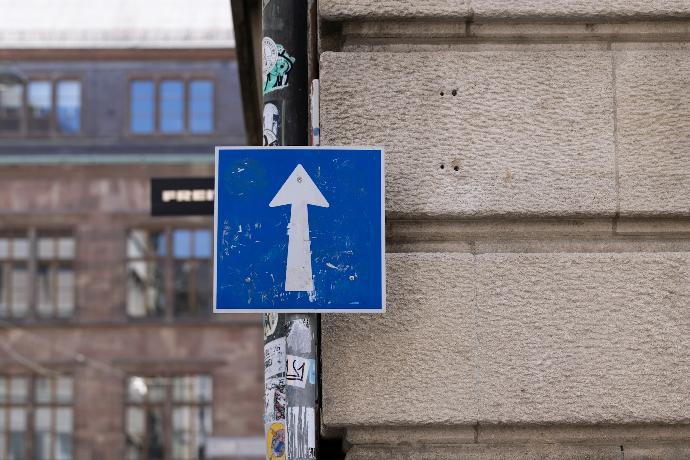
x: 299, y: 229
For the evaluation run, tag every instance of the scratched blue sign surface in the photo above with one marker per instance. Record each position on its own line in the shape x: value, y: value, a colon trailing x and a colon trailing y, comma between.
x: 299, y: 229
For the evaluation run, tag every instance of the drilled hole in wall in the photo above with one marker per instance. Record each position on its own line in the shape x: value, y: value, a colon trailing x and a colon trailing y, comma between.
x: 454, y: 92
x: 456, y: 168
x: 443, y: 166
x: 441, y: 93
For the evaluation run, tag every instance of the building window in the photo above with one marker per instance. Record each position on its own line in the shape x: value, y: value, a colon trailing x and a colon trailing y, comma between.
x: 168, y: 417
x: 14, y: 276
x: 145, y: 265
x: 55, y: 276
x: 38, y: 264
x: 169, y: 264
x: 50, y: 107
x: 68, y: 102
x: 141, y: 107
x: 200, y: 106
x: 36, y: 418
x: 40, y: 106
x: 171, y: 96
x: 171, y: 106
x: 11, y: 109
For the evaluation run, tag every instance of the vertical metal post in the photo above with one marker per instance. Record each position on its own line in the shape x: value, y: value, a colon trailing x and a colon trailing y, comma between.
x: 291, y: 392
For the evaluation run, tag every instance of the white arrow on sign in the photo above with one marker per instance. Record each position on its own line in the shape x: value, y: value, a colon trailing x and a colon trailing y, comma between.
x: 299, y: 191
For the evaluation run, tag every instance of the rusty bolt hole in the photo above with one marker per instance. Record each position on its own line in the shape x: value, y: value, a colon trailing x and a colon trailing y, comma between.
x: 454, y: 93
x: 455, y: 168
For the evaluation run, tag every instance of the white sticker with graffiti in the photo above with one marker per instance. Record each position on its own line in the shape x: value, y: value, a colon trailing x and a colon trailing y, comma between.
x: 271, y: 118
x: 274, y: 357
x: 297, y: 371
x: 277, y: 64
x: 275, y: 400
x: 270, y: 324
x: 270, y: 50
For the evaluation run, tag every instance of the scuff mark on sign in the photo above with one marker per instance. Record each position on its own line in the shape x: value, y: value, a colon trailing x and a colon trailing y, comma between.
x: 224, y: 239
x: 339, y: 267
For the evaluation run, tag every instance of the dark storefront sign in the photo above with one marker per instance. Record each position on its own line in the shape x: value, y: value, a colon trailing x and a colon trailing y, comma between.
x: 182, y: 196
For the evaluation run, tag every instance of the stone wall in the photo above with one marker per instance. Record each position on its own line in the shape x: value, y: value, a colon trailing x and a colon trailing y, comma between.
x: 538, y: 228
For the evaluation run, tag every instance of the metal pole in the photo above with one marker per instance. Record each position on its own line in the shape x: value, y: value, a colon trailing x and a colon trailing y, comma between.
x: 291, y: 392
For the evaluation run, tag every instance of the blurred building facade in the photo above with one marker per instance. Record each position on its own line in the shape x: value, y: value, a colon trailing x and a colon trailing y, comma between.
x: 108, y: 347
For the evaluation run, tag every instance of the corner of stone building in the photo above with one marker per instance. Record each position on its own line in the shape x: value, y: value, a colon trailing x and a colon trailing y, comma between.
x: 538, y: 222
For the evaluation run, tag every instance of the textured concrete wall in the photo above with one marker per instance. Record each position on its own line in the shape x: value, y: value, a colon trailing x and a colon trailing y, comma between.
x: 516, y: 338
x: 504, y: 9
x: 530, y: 133
x: 653, y: 113
x: 538, y: 228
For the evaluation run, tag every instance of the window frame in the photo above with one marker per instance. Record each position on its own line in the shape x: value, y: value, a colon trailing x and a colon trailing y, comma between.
x: 167, y: 405
x: 55, y: 264
x: 53, y: 131
x: 168, y: 266
x: 31, y: 406
x: 23, y: 121
x: 32, y: 235
x: 186, y: 79
x: 82, y: 118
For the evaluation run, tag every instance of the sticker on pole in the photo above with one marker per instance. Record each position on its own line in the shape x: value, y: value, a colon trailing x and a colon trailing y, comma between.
x: 299, y: 229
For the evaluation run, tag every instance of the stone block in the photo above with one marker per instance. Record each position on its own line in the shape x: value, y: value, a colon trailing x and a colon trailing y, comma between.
x: 653, y: 118
x: 479, y: 134
x: 485, y: 452
x: 584, y: 338
x: 614, y: 434
x: 578, y: 9
x: 420, y: 434
x: 564, y: 339
x: 479, y: 10
x: 413, y: 364
x: 657, y: 451
x: 367, y: 9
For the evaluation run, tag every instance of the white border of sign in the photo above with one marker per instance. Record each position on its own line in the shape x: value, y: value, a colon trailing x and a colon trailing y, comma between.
x: 299, y: 310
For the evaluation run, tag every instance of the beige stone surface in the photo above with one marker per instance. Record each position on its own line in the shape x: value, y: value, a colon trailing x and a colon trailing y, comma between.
x: 485, y: 452
x: 653, y: 113
x: 654, y: 452
x: 414, y: 434
x: 550, y: 338
x: 505, y: 9
x: 617, y: 434
x: 530, y: 133
x: 584, y: 338
x: 339, y: 9
x: 412, y: 364
x: 578, y: 9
